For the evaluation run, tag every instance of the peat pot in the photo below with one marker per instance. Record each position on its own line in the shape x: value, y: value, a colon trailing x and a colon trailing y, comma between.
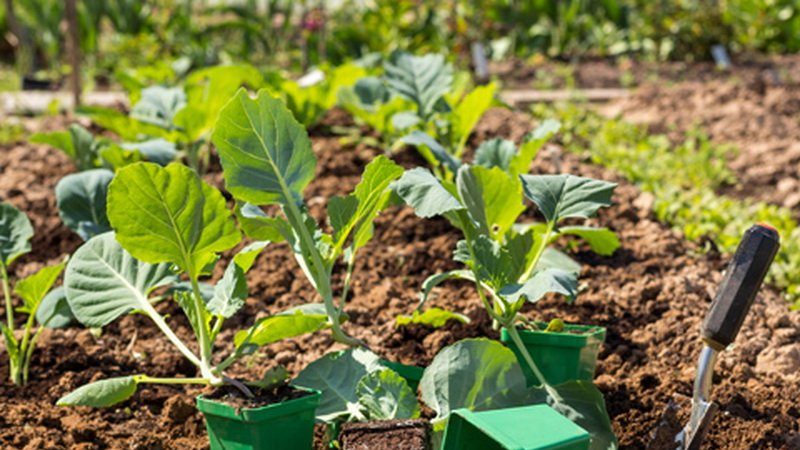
x: 562, y: 356
x: 287, y: 425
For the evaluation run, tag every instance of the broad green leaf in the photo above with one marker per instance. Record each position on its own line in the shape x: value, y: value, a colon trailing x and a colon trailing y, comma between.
x: 492, y: 197
x: 602, y: 240
x: 533, y: 142
x: 341, y: 212
x: 103, y: 281
x: 257, y: 225
x: 78, y: 143
x: 266, y: 154
x: 54, y: 310
x: 495, y: 153
x: 198, y: 321
x: 439, y: 278
x: 126, y: 127
x: 159, y: 151
x: 421, y: 79
x: 385, y: 395
x: 293, y: 322
x: 167, y: 214
x: 478, y: 374
x: 33, y: 288
x: 432, y: 317
x: 230, y: 292
x: 432, y: 150
x: 247, y: 256
x: 116, y: 157
x: 337, y: 375
x: 15, y: 234
x: 403, y: 120
x: 371, y: 194
x: 552, y: 258
x: 563, y: 196
x: 371, y: 91
x: 469, y: 111
x: 61, y: 140
x: 423, y: 192
x: 582, y: 403
x: 543, y: 282
x: 81, y: 199
x: 158, y: 105
x: 101, y: 393
x: 494, y: 263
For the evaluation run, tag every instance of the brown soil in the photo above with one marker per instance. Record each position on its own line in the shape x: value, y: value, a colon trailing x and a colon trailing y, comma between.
x: 261, y: 397
x: 650, y: 295
x: 385, y: 435
x: 755, y: 108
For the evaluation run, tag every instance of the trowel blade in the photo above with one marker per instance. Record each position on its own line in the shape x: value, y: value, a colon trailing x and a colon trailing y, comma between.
x: 671, y: 433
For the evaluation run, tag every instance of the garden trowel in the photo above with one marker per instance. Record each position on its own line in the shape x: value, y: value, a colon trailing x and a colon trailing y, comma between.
x: 742, y: 281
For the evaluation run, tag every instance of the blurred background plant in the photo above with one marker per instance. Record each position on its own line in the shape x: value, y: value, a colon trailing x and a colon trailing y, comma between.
x: 159, y: 41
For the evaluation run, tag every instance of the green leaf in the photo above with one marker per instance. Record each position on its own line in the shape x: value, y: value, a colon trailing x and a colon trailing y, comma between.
x: 543, y: 282
x: 552, y: 258
x: 167, y: 214
x: 12, y: 346
x: 432, y: 150
x: 81, y: 199
x: 101, y: 393
x: 15, y: 234
x: 33, y: 288
x: 78, y: 143
x: 432, y: 317
x: 230, y: 292
x: 337, y: 375
x: 423, y: 192
x: 272, y: 377
x: 247, y: 256
x: 116, y: 157
x: 439, y: 278
x: 371, y: 91
x: 292, y: 322
x: 126, y: 127
x: 159, y: 151
x: 421, y: 79
x: 495, y: 153
x: 266, y: 154
x: 563, y: 196
x: 385, y: 395
x: 479, y: 374
x: 492, y: 197
x: 61, y: 140
x: 371, y: 195
x: 602, y: 240
x: 533, y: 142
x: 158, y: 105
x: 469, y: 111
x: 103, y: 281
x: 257, y: 225
x: 582, y: 403
x: 54, y: 310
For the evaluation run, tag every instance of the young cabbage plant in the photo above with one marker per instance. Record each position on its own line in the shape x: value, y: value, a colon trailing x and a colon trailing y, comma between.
x: 371, y: 104
x: 267, y: 160
x: 356, y: 387
x: 166, y: 219
x: 482, y: 374
x: 510, y: 263
x: 40, y: 305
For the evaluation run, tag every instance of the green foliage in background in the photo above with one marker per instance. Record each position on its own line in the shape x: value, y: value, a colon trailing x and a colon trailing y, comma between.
x: 684, y: 179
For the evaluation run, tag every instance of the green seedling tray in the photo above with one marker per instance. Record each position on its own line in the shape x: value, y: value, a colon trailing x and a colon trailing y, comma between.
x: 560, y: 356
x: 536, y: 427
x: 412, y: 374
x: 281, y: 426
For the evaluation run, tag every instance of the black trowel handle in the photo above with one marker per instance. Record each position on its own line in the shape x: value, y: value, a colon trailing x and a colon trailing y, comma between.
x: 742, y: 281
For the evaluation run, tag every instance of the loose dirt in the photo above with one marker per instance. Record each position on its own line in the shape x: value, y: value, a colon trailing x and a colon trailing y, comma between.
x: 385, y: 435
x: 651, y: 295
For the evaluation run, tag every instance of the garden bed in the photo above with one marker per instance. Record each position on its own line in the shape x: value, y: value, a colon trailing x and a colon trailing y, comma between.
x: 650, y: 295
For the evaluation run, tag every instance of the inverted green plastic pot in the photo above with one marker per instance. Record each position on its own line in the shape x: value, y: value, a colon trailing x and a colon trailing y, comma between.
x: 536, y: 427
x: 564, y: 356
x: 412, y: 374
x: 281, y: 426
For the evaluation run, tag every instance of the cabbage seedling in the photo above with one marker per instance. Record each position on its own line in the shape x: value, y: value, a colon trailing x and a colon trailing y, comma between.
x: 15, y: 234
x: 267, y: 160
x: 510, y: 263
x: 165, y: 218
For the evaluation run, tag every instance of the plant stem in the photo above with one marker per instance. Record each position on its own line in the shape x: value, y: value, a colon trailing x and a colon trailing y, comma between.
x: 24, y: 349
x: 347, y: 278
x: 26, y: 362
x: 156, y: 380
x: 7, y: 295
x: 203, y: 337
x: 176, y: 341
x: 539, y: 252
x: 512, y: 331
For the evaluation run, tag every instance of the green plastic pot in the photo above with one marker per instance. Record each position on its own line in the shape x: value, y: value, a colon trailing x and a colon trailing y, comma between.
x: 537, y: 427
x: 287, y: 425
x: 563, y: 356
x: 412, y: 374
